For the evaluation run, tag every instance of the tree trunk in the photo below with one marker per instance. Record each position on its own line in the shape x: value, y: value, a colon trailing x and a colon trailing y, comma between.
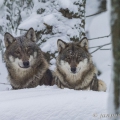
x: 115, y: 29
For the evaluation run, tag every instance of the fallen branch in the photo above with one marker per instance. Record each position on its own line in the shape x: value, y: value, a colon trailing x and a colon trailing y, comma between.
x: 100, y: 37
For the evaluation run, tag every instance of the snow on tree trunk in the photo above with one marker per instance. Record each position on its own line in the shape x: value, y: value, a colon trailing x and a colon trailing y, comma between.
x: 115, y: 28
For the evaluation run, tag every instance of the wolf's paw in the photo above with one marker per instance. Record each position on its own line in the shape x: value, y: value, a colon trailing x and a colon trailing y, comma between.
x: 101, y: 86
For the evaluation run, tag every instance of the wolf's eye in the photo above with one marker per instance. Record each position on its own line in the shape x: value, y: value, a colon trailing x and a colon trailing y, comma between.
x: 30, y: 51
x: 68, y: 58
x: 17, y: 53
x: 80, y: 58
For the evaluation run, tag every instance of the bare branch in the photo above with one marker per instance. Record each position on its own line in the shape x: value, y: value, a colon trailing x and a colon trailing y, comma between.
x: 106, y: 49
x: 26, y: 30
x: 95, y: 13
x: 23, y: 29
x: 99, y: 47
x: 100, y: 37
x: 96, y: 49
x: 5, y: 83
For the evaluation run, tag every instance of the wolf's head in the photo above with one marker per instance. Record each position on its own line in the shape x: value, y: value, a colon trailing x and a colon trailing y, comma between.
x: 74, y: 57
x: 21, y: 51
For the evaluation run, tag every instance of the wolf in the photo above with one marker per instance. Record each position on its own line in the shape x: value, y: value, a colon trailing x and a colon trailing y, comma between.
x: 75, y: 68
x: 25, y: 62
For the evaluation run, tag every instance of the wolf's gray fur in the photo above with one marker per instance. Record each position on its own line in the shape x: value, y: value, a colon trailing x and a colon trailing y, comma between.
x: 75, y: 68
x: 25, y: 61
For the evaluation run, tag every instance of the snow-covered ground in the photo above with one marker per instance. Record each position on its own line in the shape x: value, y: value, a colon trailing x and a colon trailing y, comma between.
x: 52, y: 103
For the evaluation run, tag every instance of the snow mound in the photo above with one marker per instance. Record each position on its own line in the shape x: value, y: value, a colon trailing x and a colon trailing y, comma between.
x: 52, y: 103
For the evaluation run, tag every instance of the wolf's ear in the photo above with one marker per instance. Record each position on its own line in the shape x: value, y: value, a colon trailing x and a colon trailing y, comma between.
x: 61, y: 45
x: 8, y: 39
x: 84, y: 43
x: 31, y: 35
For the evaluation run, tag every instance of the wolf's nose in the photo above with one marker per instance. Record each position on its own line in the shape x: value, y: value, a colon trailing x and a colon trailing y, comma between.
x: 73, y: 70
x: 26, y: 64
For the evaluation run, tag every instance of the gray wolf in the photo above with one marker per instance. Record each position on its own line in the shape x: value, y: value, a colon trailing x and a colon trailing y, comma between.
x: 25, y: 62
x: 75, y: 68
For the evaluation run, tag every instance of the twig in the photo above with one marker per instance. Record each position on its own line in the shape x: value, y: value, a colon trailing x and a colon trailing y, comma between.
x: 106, y: 49
x: 100, y: 37
x: 96, y: 49
x: 99, y: 47
x: 95, y: 13
x: 23, y: 29
x: 5, y: 83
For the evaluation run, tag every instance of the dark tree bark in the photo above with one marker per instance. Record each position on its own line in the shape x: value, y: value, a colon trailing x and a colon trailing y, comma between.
x: 115, y: 29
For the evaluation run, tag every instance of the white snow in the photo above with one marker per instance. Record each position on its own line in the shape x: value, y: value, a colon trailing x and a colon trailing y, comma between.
x: 52, y: 103
x: 65, y: 3
x: 30, y: 22
x: 99, y: 27
x: 68, y: 4
x: 1, y: 3
x: 50, y: 20
x: 91, y: 8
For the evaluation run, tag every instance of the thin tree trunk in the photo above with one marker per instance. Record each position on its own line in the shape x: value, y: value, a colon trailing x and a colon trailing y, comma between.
x: 82, y: 16
x: 2, y: 50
